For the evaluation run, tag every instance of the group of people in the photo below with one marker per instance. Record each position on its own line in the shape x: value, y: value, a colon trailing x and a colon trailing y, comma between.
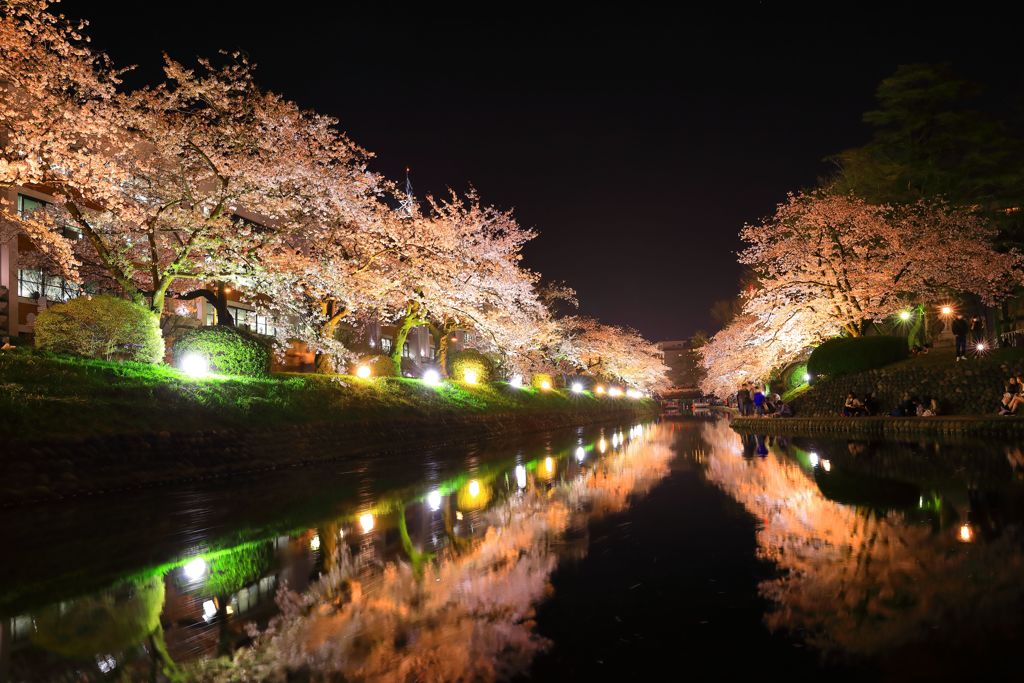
x: 961, y: 328
x: 909, y: 406
x: 1013, y: 396
x: 912, y: 406
x: 756, y: 400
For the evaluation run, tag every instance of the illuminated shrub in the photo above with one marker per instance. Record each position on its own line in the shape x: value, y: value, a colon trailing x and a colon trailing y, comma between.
x: 847, y: 355
x: 380, y: 366
x: 229, y: 350
x: 794, y: 376
x: 101, y: 327
x: 471, y: 360
x: 542, y: 380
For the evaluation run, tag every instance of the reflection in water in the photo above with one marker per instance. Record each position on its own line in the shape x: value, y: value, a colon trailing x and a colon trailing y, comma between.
x: 466, y: 616
x: 858, y: 579
x: 437, y: 580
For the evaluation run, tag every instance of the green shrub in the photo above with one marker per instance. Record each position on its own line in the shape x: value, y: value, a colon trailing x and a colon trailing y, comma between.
x: 847, y: 355
x: 538, y: 380
x: 793, y: 376
x: 382, y: 366
x: 101, y: 327
x: 230, y: 350
x: 471, y: 360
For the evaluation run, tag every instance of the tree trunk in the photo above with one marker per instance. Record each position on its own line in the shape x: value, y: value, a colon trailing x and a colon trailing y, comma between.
x: 410, y: 320
x: 218, y: 299
x: 325, y: 362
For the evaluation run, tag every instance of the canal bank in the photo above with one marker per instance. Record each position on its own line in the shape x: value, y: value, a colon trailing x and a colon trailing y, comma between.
x: 881, y: 426
x: 74, y: 428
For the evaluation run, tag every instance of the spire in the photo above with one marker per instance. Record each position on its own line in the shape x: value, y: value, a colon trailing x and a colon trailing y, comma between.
x: 406, y: 208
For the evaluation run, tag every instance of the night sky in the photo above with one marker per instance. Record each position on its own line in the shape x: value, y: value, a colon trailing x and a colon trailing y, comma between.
x: 637, y: 147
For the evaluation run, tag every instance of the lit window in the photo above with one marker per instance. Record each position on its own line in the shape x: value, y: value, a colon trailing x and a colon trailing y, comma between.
x: 385, y: 344
x: 33, y: 283
x: 405, y: 350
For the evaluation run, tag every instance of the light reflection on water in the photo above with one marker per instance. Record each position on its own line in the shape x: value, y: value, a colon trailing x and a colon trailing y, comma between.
x: 441, y: 576
x: 429, y: 570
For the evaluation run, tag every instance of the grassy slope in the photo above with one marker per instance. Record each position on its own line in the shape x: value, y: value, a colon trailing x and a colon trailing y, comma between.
x: 51, y: 397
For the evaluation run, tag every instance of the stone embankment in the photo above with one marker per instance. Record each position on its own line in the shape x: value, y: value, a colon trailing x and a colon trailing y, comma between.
x: 971, y: 387
x: 65, y: 468
x: 895, y: 428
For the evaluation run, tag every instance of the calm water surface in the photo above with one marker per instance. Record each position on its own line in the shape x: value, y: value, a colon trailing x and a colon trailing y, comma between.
x: 619, y: 551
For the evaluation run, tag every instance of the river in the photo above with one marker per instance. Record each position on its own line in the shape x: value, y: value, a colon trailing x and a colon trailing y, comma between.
x: 620, y: 551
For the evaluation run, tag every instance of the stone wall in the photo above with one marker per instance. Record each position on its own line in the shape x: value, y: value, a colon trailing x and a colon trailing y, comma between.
x: 972, y: 387
x: 38, y: 472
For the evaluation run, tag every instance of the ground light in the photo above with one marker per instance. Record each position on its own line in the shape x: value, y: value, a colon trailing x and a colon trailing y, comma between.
x: 366, y: 522
x: 195, y: 569
x: 599, y: 389
x: 363, y: 372
x: 471, y: 376
x: 545, y: 385
x: 947, y: 310
x: 577, y: 388
x: 966, y: 534
x: 434, y: 500
x: 516, y: 382
x: 905, y: 315
x: 195, y: 365
x: 633, y: 393
x: 980, y: 346
x: 615, y: 392
x: 432, y: 377
x: 807, y: 377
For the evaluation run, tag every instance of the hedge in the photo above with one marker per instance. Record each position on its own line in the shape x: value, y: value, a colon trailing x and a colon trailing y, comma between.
x: 230, y: 350
x: 848, y: 355
x: 471, y: 360
x: 103, y: 327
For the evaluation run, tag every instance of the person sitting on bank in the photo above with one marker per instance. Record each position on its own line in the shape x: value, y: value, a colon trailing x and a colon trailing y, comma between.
x: 907, y: 407
x: 870, y: 405
x: 7, y: 345
x: 928, y: 408
x: 1013, y: 397
x: 852, y: 407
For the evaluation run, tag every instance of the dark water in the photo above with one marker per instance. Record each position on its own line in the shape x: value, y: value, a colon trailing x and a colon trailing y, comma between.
x: 677, y: 549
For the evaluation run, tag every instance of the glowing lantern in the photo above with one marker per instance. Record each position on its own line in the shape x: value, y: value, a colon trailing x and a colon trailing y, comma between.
x: 602, y: 445
x: 195, y: 365
x: 634, y: 394
x: 471, y: 376
x: 581, y: 453
x: 615, y: 392
x: 947, y: 310
x: 807, y: 377
x: 366, y: 522
x: 545, y: 385
x: 826, y: 465
x: 905, y: 315
x: 814, y: 459
x: 432, y: 377
x: 966, y: 534
x: 195, y: 569
x: 363, y: 372
x: 314, y: 543
x: 980, y: 347
x: 599, y: 389
x: 577, y: 388
x: 520, y: 476
x: 516, y: 382
x: 473, y: 496
x: 434, y: 500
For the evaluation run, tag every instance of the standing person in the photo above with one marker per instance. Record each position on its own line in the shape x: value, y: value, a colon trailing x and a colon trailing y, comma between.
x: 743, y: 399
x: 978, y: 330
x: 759, y: 402
x: 960, y: 329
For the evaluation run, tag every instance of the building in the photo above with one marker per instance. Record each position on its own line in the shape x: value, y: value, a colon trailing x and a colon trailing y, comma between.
x: 27, y: 289
x: 683, y: 368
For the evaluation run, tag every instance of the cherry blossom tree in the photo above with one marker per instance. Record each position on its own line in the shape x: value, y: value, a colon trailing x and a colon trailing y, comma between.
x: 617, y: 353
x: 196, y: 180
x: 829, y: 265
